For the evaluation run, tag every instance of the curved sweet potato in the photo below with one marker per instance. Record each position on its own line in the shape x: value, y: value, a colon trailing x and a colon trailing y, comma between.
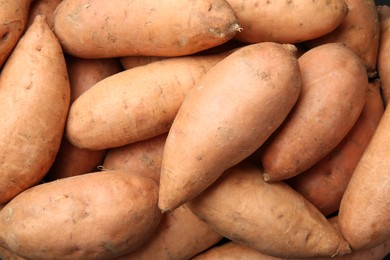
x: 324, y: 183
x: 364, y: 208
x: 135, y: 104
x: 99, y: 215
x: 269, y: 217
x: 287, y: 21
x: 42, y: 7
x: 229, y: 114
x: 359, y: 31
x: 33, y: 106
x: 334, y: 86
x: 93, y: 29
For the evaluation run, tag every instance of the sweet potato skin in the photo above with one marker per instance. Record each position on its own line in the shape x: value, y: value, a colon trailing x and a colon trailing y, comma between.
x: 157, y: 29
x: 334, y: 85
x: 100, y: 215
x: 359, y: 31
x: 34, y: 106
x: 263, y: 212
x: 13, y: 21
x: 228, y: 115
x: 301, y: 20
x: 42, y: 7
x: 364, y: 208
x: 138, y: 107
x: 324, y: 183
x: 383, y: 64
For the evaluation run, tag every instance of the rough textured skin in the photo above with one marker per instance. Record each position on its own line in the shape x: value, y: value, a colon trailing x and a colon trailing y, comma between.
x: 13, y: 20
x: 143, y: 157
x: 384, y: 52
x: 43, y: 7
x: 365, y: 206
x: 93, y: 29
x: 181, y: 235
x: 135, y: 104
x: 226, y: 117
x: 287, y: 21
x: 360, y: 31
x: 324, y: 183
x: 99, y: 215
x: 270, y: 217
x: 34, y: 102
x: 334, y: 85
x: 83, y: 74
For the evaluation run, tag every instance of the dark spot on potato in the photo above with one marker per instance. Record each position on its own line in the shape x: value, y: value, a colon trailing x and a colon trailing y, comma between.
x: 268, y: 2
x: 210, y: 7
x: 199, y: 158
x: 5, y: 36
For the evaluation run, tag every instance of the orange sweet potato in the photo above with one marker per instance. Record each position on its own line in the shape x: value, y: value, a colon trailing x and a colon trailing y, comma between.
x: 359, y: 31
x: 364, y: 209
x: 99, y: 215
x: 13, y: 21
x: 324, y: 183
x: 135, y: 104
x: 93, y: 29
x: 269, y: 217
x: 229, y: 114
x: 34, y: 102
x: 383, y: 64
x: 334, y: 86
x: 287, y: 21
x: 83, y: 74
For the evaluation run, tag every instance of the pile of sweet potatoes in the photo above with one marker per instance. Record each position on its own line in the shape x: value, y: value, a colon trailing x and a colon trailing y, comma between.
x: 194, y: 129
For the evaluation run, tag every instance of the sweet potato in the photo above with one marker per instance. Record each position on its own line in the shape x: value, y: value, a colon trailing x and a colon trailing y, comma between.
x: 269, y: 217
x: 13, y: 21
x: 287, y: 21
x: 229, y: 114
x: 43, y: 7
x: 383, y: 64
x: 360, y: 31
x: 334, y: 86
x: 135, y: 104
x: 364, y: 209
x: 83, y: 74
x: 130, y: 62
x: 93, y: 29
x: 34, y: 102
x: 99, y: 215
x: 324, y: 183
x: 7, y: 255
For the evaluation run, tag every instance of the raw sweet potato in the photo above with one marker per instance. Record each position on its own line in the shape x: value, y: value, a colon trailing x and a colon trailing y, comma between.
x: 13, y: 21
x: 34, y: 102
x: 93, y: 29
x: 364, y: 209
x: 383, y: 64
x: 287, y: 21
x: 334, y: 86
x: 324, y: 183
x: 130, y: 62
x: 43, y: 7
x: 135, y: 104
x: 229, y: 114
x: 360, y: 31
x: 83, y: 74
x: 269, y: 217
x: 8, y: 255
x: 99, y: 215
